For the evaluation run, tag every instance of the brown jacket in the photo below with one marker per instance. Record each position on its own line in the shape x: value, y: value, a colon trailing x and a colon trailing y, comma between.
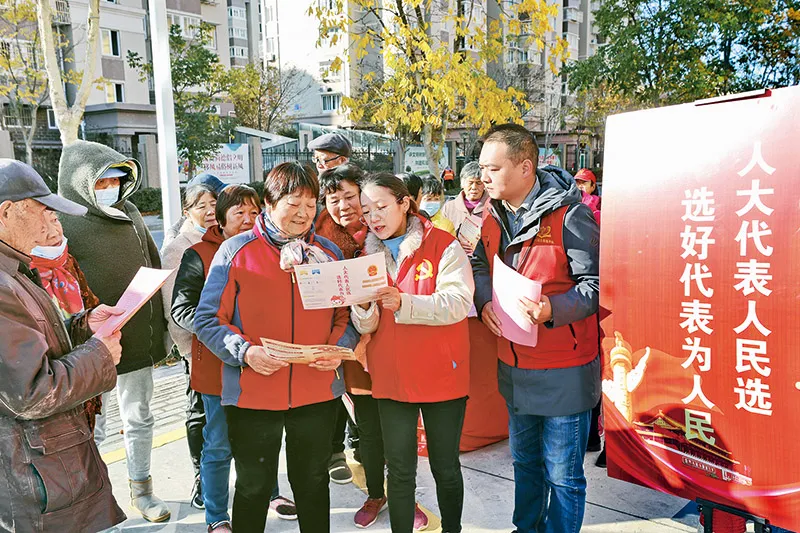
x: 51, y: 476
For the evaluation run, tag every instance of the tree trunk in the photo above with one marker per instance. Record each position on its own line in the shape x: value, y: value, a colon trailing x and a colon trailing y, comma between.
x: 29, y: 136
x: 433, y: 150
x: 68, y: 118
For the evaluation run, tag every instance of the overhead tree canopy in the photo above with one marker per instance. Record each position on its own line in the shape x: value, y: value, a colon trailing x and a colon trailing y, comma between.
x: 433, y: 61
x: 262, y: 97
x: 662, y: 52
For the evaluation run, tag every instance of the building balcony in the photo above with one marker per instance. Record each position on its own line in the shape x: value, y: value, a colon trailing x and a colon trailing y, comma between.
x: 572, y: 4
x: 61, y: 15
x: 573, y: 15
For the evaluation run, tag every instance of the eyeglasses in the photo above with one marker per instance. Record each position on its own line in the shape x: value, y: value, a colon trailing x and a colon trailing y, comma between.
x: 376, y: 214
x: 322, y: 161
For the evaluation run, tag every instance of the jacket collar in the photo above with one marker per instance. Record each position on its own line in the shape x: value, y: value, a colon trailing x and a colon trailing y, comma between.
x: 213, y: 235
x: 11, y: 259
x: 462, y: 205
x: 556, y: 189
x: 418, y: 228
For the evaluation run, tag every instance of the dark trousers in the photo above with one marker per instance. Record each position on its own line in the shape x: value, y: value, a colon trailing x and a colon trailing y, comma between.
x: 370, y: 443
x: 195, y: 421
x: 594, y: 428
x: 443, y: 424
x: 255, y: 438
x: 343, y: 423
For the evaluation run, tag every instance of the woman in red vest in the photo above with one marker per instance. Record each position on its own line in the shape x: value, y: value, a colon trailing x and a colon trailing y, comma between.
x: 427, y: 303
x: 251, y: 294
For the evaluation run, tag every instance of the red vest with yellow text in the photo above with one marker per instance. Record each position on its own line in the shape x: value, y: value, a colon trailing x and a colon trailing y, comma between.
x: 543, y: 259
x: 416, y: 363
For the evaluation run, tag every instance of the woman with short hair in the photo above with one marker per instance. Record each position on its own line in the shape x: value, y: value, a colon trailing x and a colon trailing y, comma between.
x: 250, y: 294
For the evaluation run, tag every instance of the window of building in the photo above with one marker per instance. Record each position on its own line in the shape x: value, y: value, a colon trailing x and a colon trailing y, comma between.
x: 110, y: 43
x: 331, y: 102
x: 22, y: 119
x: 238, y: 51
x: 52, y: 123
x: 115, y: 92
x: 270, y: 46
x: 237, y: 33
x: 237, y: 13
x: 268, y: 14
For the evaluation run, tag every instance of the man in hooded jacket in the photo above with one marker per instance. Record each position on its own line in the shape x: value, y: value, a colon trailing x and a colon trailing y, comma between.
x: 536, y: 224
x: 111, y: 243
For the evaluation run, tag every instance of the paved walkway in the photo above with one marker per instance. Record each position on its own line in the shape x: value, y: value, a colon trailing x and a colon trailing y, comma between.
x: 613, y: 506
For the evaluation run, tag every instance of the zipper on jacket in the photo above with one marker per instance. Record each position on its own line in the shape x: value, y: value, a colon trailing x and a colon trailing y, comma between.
x: 291, y: 367
x: 574, y: 337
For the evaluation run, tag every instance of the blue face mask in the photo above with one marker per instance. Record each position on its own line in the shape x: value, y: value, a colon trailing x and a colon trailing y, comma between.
x: 201, y: 229
x: 431, y: 207
x: 107, y: 197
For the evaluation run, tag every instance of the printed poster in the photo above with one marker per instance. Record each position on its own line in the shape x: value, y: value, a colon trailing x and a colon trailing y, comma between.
x: 699, y: 296
x: 341, y: 283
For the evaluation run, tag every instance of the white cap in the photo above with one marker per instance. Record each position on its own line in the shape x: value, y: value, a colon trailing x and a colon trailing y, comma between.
x: 114, y: 173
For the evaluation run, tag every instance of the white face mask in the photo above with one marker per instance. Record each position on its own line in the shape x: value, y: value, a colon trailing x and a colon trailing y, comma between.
x: 431, y: 207
x: 107, y: 197
x: 50, y: 252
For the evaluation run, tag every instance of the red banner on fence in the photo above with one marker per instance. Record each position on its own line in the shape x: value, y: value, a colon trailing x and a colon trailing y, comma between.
x: 700, y: 274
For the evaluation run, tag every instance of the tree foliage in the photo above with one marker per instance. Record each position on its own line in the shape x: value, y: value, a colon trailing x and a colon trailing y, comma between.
x: 433, y: 61
x: 199, y: 80
x: 661, y: 52
x: 262, y: 97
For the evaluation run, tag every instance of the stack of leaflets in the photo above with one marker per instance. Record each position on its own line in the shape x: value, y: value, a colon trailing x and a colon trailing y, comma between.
x: 300, y: 354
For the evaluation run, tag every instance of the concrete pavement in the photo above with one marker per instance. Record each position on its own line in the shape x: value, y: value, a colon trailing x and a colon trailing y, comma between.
x: 613, y: 506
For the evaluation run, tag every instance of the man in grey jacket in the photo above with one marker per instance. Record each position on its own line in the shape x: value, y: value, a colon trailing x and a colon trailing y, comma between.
x: 535, y: 223
x: 51, y: 476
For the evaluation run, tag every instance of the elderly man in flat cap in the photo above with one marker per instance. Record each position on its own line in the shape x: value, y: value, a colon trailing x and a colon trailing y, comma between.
x: 51, y: 474
x: 330, y: 150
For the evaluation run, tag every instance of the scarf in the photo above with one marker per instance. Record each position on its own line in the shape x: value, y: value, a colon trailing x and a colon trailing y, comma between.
x: 295, y: 250
x: 60, y: 283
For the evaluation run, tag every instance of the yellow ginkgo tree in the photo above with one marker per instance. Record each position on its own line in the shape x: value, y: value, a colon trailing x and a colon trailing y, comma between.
x: 437, y: 62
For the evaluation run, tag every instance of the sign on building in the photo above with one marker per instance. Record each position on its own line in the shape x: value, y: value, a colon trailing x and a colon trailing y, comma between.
x: 231, y: 164
x: 549, y: 156
x: 699, y: 280
x: 417, y: 161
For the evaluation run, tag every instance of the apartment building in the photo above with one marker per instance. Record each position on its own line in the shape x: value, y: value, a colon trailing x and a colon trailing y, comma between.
x: 290, y: 41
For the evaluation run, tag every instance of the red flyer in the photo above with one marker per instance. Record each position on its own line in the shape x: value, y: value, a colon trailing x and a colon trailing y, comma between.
x: 700, y: 298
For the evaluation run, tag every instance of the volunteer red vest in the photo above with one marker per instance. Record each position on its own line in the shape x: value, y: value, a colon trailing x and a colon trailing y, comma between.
x: 269, y: 306
x: 543, y: 259
x: 206, y: 373
x: 415, y: 363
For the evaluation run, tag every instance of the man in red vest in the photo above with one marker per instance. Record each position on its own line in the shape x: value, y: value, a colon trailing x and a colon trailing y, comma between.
x: 536, y: 224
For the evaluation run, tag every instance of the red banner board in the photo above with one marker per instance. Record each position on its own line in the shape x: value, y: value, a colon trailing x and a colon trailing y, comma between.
x: 700, y: 290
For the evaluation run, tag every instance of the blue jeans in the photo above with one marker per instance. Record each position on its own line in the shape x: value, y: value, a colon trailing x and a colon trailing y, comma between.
x: 215, y: 461
x: 549, y: 483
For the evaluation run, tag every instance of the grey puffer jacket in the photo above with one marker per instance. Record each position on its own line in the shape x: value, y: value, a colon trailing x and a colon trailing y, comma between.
x: 51, y: 476
x: 111, y: 244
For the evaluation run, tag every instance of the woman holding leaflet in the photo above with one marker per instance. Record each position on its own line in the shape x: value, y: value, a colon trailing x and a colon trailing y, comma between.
x: 429, y: 297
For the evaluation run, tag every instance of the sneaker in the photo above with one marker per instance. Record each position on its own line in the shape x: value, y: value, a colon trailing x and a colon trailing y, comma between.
x: 420, y: 519
x: 196, y: 499
x: 220, y: 527
x: 368, y: 514
x: 284, y: 507
x: 338, y: 470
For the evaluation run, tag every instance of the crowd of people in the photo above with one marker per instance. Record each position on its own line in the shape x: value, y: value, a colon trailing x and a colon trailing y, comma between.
x: 234, y: 253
